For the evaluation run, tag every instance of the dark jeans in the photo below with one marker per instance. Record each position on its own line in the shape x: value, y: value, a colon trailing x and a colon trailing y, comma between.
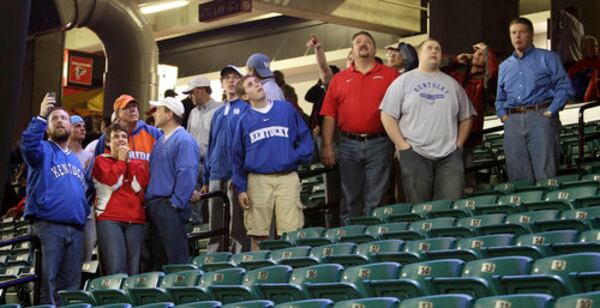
x: 168, y: 237
x: 531, y: 145
x: 62, y: 255
x: 120, y: 246
x: 365, y: 173
x: 427, y: 179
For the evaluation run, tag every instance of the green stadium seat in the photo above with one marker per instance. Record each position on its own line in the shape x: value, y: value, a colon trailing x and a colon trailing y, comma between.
x: 213, y: 261
x: 352, y: 285
x: 463, y: 207
x: 535, y: 246
x: 416, y: 279
x: 248, y: 260
x: 372, y: 302
x: 579, y: 219
x: 556, y: 182
x: 580, y: 300
x: 287, y: 256
x: 85, y: 296
x: 247, y: 291
x: 366, y: 252
x: 251, y: 304
x: 420, y: 229
x: 556, y: 275
x: 375, y: 232
x: 473, y: 248
x: 332, y: 235
x: 81, y: 305
x: 140, y: 296
x: 518, y: 300
x: 113, y: 296
x: 421, y: 211
x: 509, y: 204
x: 512, y: 186
x: 294, y: 290
x: 115, y: 305
x: 589, y: 241
x: 289, y: 239
x: 204, y: 304
x: 519, y: 223
x: 415, y: 251
x: 318, y: 254
x: 468, y: 226
x: 380, y: 214
x: 437, y: 301
x: 565, y: 199
x: 174, y: 268
x: 198, y: 293
x: 309, y: 303
x: 480, y: 277
x: 157, y: 305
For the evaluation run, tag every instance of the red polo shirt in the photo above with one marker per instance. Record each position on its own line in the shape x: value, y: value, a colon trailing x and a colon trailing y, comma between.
x: 353, y: 98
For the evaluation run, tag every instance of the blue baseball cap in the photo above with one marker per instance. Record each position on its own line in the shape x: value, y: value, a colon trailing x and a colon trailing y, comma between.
x: 260, y: 63
x: 76, y: 119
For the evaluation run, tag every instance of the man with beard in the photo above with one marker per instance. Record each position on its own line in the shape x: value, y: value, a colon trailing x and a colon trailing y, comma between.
x: 364, y: 150
x: 56, y: 202
x: 218, y: 164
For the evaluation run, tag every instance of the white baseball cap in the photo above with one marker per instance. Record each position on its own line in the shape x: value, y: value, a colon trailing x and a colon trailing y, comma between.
x: 171, y: 103
x: 196, y: 83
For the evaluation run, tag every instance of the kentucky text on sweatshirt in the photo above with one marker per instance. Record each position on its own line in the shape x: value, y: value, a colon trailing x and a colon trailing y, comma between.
x: 55, y: 180
x: 174, y: 168
x: 272, y: 142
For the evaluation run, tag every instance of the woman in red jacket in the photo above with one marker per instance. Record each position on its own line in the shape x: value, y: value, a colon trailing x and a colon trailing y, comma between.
x: 120, y: 183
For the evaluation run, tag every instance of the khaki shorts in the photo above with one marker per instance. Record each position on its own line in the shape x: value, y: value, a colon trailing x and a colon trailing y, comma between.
x: 270, y: 194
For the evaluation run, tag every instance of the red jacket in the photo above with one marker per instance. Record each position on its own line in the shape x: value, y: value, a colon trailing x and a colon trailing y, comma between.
x: 120, y: 189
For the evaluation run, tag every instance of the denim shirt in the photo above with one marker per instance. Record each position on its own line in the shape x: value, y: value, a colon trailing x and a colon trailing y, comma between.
x: 535, y: 78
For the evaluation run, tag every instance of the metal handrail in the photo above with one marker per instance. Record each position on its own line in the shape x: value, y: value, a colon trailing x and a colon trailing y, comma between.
x: 581, y: 138
x: 226, y: 220
x: 38, y: 266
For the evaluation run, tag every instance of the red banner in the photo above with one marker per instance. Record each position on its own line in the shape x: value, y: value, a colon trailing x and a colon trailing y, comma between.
x: 80, y: 70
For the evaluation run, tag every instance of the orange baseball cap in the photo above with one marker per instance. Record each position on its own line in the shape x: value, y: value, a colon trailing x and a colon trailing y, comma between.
x: 122, y: 101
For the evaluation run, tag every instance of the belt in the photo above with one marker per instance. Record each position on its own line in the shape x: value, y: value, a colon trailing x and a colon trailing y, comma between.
x: 525, y: 109
x: 362, y: 137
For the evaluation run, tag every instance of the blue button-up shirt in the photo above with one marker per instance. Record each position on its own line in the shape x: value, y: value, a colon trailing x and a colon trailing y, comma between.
x: 535, y: 78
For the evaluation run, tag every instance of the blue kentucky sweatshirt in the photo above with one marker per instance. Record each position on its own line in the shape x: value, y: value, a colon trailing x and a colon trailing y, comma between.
x: 55, y: 179
x: 272, y: 142
x: 218, y: 162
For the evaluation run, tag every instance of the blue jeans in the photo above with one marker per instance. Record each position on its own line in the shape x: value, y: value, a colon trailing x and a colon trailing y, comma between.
x: 120, y: 246
x: 167, y: 235
x: 62, y: 255
x: 365, y: 172
x: 531, y: 145
x: 425, y: 179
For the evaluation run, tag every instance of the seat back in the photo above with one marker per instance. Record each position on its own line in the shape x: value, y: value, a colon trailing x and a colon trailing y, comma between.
x: 306, y: 233
x: 581, y: 300
x: 547, y: 238
x: 431, y: 269
x: 144, y: 280
x: 481, y: 220
x: 473, y: 202
x: 529, y: 217
x: 317, y: 274
x: 378, y: 230
x: 572, y: 193
x: 431, y: 206
x: 483, y: 241
x: 333, y: 249
x: 522, y: 197
x: 439, y: 301
x: 377, y: 247
x: 238, y: 258
x: 581, y: 214
x: 392, y: 209
x: 379, y: 302
x: 181, y: 279
x: 428, y: 224
x: 356, y: 275
x: 335, y: 234
x: 590, y: 236
x: 288, y: 253
x: 213, y: 257
x: 488, y: 268
x: 269, y: 274
x: 436, y: 243
x: 563, y: 265
x: 518, y: 300
x: 228, y: 276
x: 114, y: 281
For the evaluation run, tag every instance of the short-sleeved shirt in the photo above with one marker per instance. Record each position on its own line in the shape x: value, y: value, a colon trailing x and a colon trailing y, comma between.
x: 353, y: 98
x: 428, y: 107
